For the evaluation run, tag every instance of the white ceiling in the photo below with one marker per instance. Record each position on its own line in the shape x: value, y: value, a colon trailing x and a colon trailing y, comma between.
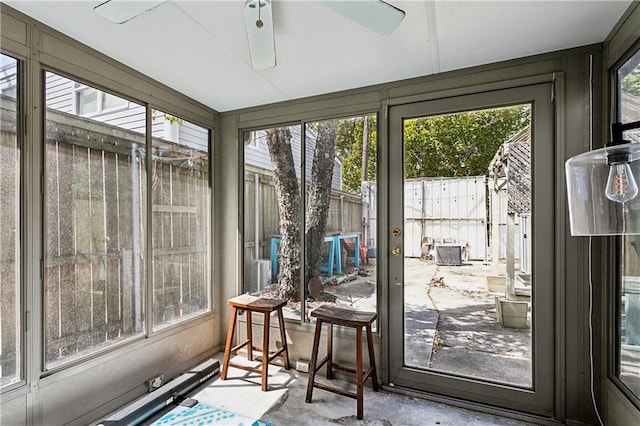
x: 200, y: 48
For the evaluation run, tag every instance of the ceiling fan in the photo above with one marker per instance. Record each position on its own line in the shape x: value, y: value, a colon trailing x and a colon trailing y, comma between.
x: 375, y: 15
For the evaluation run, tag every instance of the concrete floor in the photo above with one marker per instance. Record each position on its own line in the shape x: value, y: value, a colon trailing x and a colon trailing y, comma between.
x: 284, y: 403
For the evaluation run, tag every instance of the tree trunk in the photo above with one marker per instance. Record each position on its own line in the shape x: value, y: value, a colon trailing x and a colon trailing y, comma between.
x: 365, y: 147
x: 319, y: 196
x: 288, y: 195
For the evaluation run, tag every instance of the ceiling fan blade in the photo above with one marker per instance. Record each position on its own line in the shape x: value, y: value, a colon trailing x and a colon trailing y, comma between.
x: 259, y: 21
x: 376, y: 15
x: 121, y: 11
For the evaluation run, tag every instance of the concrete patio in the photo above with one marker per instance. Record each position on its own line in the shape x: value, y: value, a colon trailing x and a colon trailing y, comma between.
x: 284, y: 403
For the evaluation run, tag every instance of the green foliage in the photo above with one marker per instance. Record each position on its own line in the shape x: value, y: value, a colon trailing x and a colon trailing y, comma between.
x: 174, y: 120
x: 460, y: 144
x: 450, y: 145
x: 631, y: 83
x: 349, y: 151
x: 170, y: 118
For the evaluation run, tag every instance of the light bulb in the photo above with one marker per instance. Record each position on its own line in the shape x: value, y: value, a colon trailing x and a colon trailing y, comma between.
x: 621, y: 186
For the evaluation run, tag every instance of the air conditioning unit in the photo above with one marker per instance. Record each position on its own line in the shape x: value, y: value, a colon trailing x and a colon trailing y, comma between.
x: 449, y: 254
x: 264, y: 273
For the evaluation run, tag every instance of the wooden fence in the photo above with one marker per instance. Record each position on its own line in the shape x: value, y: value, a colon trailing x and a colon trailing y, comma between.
x: 95, y: 227
x: 9, y: 243
x: 261, y: 214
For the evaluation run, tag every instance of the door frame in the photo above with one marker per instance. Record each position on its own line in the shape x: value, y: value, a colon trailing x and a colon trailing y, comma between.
x: 540, y: 399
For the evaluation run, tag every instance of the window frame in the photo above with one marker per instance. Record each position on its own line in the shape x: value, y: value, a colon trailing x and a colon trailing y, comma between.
x: 303, y: 124
x: 149, y: 331
x: 152, y: 326
x: 616, y: 250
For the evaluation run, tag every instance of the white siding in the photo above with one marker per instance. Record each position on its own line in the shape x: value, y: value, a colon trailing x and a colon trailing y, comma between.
x: 60, y: 96
x: 336, y: 179
x: 184, y: 132
x: 194, y: 136
x: 132, y: 118
x: 258, y: 155
x: 8, y: 76
x: 59, y: 92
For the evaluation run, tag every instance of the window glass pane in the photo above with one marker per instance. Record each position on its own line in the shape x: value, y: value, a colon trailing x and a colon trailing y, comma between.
x: 94, y: 222
x: 10, y: 330
x: 340, y: 213
x: 272, y: 220
x: 628, y: 347
x: 181, y: 226
x: 468, y: 251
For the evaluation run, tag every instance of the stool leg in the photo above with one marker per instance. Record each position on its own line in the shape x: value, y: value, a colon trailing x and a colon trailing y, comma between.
x: 314, y: 360
x: 283, y: 336
x: 359, y: 381
x: 265, y: 351
x: 249, y: 336
x: 372, y: 358
x: 330, y: 352
x: 227, y: 348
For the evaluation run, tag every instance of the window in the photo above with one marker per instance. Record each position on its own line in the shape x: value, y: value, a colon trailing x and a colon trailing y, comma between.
x: 628, y: 347
x: 251, y: 139
x: 100, y: 289
x: 181, y: 225
x: 269, y: 259
x: 8, y: 78
x: 88, y: 100
x: 10, y: 259
x: 335, y: 226
x: 95, y: 209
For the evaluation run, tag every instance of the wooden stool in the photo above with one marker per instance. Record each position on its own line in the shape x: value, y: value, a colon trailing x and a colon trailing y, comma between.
x: 347, y: 318
x: 251, y: 304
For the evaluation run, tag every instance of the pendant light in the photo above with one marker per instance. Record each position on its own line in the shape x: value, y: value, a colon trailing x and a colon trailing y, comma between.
x: 602, y: 187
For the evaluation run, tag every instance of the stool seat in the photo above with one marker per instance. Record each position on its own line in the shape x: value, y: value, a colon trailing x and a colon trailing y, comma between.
x: 249, y: 304
x: 332, y: 315
x: 343, y: 316
x: 257, y: 304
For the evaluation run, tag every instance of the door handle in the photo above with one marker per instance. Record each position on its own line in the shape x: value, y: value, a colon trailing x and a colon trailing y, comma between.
x: 395, y: 251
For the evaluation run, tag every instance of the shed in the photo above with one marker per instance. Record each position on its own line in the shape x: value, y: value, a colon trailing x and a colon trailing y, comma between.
x: 510, y: 168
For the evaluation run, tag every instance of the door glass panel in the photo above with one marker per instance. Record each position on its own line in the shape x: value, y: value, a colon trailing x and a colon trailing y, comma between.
x: 628, y: 347
x: 467, y: 248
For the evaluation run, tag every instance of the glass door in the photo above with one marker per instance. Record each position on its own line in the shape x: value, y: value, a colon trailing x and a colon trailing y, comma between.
x: 471, y: 250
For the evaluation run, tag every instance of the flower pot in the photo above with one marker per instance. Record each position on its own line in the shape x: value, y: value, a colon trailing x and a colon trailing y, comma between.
x: 512, y: 313
x: 496, y: 283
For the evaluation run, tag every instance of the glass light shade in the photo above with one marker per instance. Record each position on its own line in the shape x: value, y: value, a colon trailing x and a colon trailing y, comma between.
x: 589, y: 178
